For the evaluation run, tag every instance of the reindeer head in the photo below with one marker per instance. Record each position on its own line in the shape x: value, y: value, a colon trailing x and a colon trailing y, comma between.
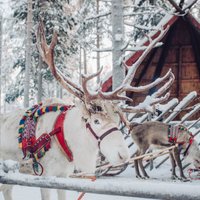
x: 100, y: 110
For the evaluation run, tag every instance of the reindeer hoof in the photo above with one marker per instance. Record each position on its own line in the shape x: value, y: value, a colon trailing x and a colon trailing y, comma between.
x: 146, y: 177
x: 139, y: 177
x: 174, y: 177
x: 184, y: 179
x: 142, y: 177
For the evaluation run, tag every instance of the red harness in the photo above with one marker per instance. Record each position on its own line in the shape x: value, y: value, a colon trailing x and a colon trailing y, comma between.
x: 173, y: 134
x: 38, y: 147
x: 59, y: 125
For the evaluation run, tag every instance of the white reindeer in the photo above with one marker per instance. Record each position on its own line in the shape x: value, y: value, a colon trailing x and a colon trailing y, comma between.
x: 94, y: 108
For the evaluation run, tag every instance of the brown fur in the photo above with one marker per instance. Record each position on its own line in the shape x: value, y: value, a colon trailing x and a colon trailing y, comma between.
x: 155, y: 134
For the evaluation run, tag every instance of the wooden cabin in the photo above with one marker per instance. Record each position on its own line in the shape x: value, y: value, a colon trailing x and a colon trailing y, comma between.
x: 180, y: 52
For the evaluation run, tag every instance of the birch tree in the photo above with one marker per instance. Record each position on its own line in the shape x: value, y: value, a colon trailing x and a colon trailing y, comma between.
x: 28, y: 55
x: 117, y: 38
x: 0, y: 59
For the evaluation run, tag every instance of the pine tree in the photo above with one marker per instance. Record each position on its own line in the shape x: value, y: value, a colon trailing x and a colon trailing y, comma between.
x: 54, y: 16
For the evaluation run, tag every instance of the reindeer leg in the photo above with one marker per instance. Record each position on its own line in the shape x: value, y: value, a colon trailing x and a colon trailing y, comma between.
x: 174, y: 176
x: 7, y: 192
x: 142, y: 168
x: 141, y: 164
x: 137, y: 171
x: 45, y: 194
x: 61, y: 194
x: 179, y: 164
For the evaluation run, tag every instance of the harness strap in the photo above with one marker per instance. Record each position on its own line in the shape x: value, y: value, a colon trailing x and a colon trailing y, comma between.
x: 173, y: 133
x: 173, y: 136
x: 191, y: 140
x: 99, y: 139
x: 108, y: 132
x: 59, y: 135
x: 92, y: 131
x: 55, y: 131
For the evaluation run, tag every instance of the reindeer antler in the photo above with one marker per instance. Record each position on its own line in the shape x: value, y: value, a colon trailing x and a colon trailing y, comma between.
x: 83, y: 93
x: 47, y: 54
x: 155, y: 98
x: 118, y: 93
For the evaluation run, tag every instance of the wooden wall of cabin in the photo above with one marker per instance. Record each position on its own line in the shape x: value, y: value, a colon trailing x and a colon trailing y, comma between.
x: 178, y: 54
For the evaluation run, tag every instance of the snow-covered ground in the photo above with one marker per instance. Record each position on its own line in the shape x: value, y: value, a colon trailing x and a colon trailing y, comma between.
x: 160, y: 178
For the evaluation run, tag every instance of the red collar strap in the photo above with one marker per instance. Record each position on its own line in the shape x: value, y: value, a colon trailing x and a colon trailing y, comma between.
x: 191, y: 140
x: 59, y: 136
x: 173, y: 134
x: 99, y: 139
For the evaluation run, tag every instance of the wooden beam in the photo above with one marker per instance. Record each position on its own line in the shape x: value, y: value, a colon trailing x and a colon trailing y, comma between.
x: 179, y: 71
x: 181, y: 3
x: 195, y: 44
x: 173, y: 3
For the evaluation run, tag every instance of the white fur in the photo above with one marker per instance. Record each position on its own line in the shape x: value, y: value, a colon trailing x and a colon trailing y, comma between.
x: 193, y: 155
x: 81, y: 142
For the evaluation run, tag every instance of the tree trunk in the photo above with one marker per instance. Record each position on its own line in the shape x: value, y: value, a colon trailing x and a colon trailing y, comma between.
x: 28, y: 55
x: 0, y: 58
x: 57, y: 88
x: 40, y: 80
x: 80, y: 64
x: 85, y: 61
x: 61, y: 92
x: 117, y: 35
x: 98, y: 42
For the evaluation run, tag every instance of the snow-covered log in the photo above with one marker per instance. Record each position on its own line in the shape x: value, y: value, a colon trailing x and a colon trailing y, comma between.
x: 181, y: 106
x: 194, y: 123
x: 196, y: 132
x: 138, y: 188
x: 165, y: 108
x: 191, y: 113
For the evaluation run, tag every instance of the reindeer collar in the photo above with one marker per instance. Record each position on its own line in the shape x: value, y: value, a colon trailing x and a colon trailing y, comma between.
x: 191, y: 140
x: 173, y: 134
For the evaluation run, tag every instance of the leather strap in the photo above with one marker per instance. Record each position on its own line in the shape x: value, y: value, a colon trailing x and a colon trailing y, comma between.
x: 99, y: 139
x: 59, y: 135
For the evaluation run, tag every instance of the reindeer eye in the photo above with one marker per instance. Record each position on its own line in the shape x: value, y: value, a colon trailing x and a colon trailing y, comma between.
x: 99, y: 108
x: 96, y: 121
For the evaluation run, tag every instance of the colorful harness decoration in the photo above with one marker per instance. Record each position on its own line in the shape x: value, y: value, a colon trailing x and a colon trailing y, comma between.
x: 36, y: 148
x: 173, y: 134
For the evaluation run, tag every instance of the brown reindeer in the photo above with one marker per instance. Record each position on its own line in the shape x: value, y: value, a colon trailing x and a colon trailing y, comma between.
x: 161, y: 135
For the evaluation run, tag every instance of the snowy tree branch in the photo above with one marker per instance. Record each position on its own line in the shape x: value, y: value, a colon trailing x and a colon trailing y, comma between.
x: 98, y: 16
